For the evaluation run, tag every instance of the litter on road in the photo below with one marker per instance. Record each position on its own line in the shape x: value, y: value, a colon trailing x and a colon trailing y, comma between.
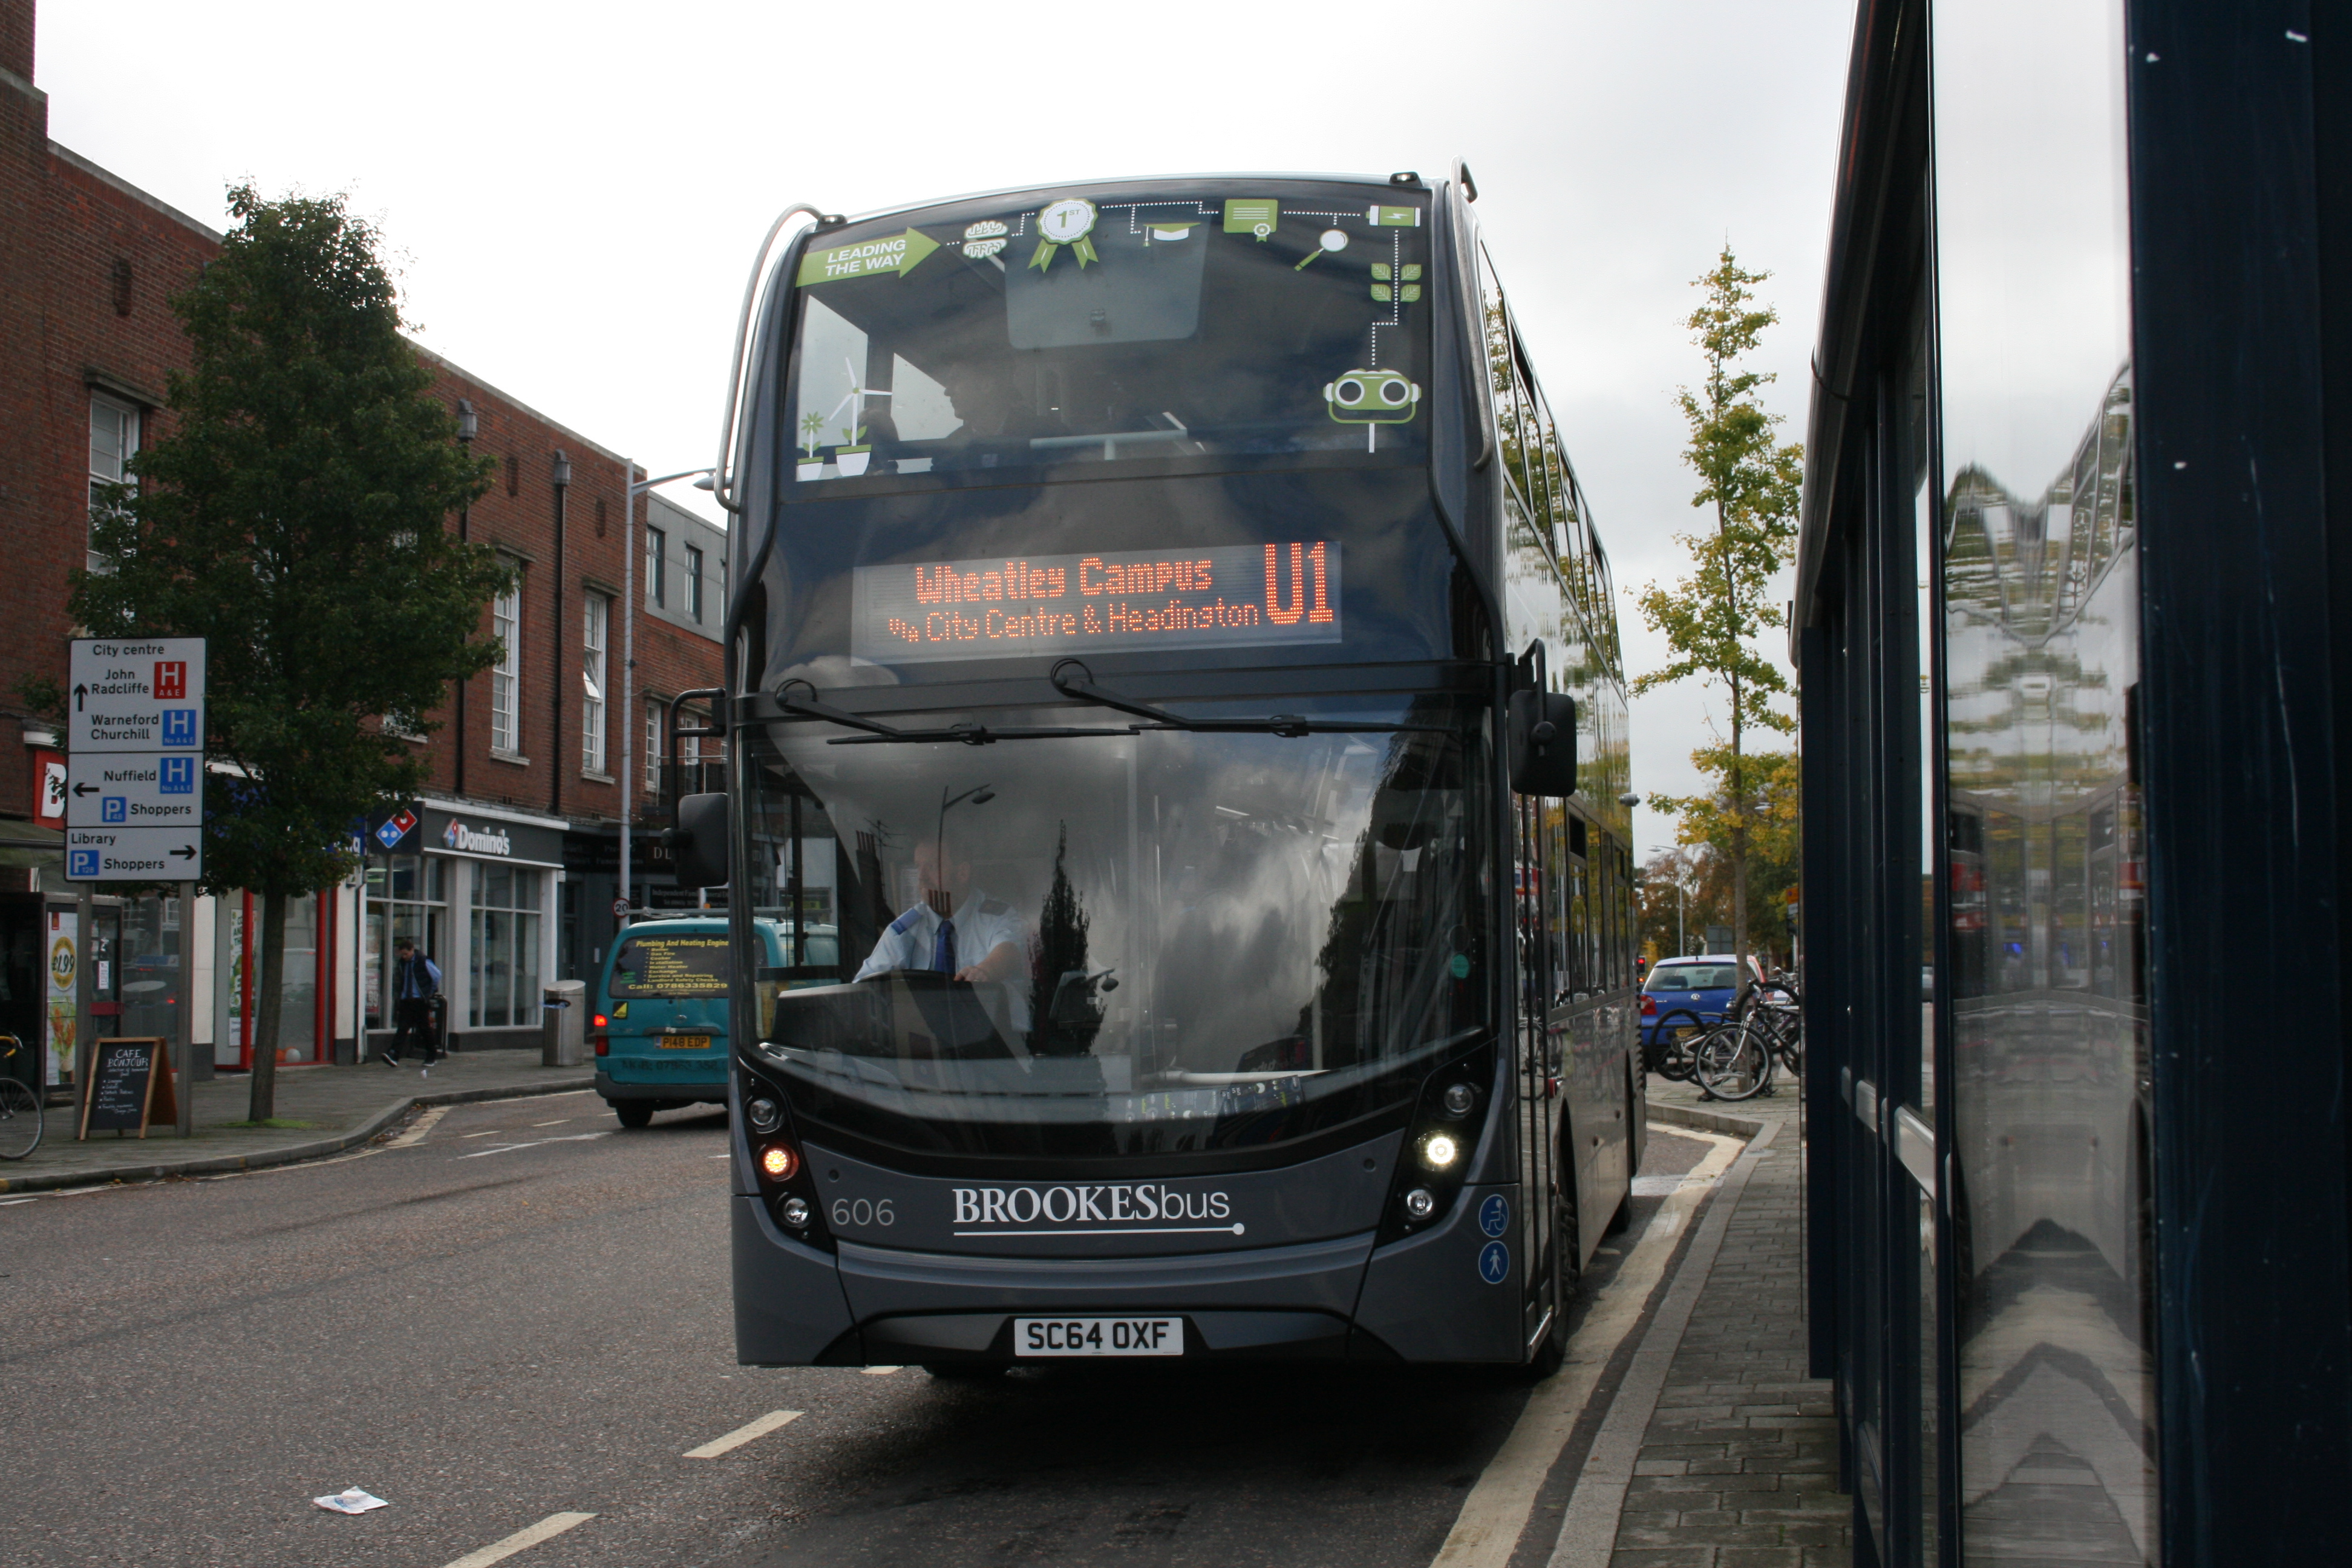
x: 350, y: 1499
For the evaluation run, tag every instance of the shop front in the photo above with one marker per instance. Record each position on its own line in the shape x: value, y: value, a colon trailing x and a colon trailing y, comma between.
x: 477, y: 889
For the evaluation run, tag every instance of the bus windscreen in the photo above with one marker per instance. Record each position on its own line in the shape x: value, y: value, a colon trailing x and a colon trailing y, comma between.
x: 1118, y: 328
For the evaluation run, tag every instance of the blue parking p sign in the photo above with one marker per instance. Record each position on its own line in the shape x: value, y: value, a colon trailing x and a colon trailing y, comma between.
x: 81, y: 865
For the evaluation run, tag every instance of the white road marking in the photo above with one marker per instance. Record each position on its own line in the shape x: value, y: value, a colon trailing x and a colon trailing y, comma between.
x: 557, y: 1123
x: 547, y: 1528
x: 1495, y: 1512
x: 12, y: 1203
x: 424, y: 1124
x: 485, y: 1132
x: 510, y: 1148
x: 1659, y: 1186
x: 737, y: 1438
x: 882, y: 1370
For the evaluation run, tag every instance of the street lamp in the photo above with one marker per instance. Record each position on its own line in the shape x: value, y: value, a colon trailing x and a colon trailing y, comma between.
x: 1682, y: 941
x: 625, y: 711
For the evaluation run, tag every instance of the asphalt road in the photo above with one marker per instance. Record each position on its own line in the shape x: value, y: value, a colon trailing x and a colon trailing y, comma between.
x: 522, y: 1313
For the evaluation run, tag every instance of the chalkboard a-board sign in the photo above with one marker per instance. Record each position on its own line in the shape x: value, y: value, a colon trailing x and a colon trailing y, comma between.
x: 130, y: 1081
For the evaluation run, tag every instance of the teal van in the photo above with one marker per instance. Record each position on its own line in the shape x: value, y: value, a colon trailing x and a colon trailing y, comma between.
x: 659, y: 1020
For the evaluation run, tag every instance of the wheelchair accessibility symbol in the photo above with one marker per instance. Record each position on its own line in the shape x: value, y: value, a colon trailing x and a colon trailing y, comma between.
x: 1495, y: 1263
x: 1495, y: 1214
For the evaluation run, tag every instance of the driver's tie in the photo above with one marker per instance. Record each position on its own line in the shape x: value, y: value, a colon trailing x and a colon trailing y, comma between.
x: 943, y: 948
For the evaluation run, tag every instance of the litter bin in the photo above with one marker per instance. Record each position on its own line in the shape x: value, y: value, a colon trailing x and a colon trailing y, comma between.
x: 563, y: 1023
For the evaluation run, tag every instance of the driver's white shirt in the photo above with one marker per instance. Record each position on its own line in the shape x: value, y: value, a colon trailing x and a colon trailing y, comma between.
x: 982, y: 923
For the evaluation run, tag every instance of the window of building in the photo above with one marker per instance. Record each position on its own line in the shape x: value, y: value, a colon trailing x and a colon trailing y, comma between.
x: 409, y: 896
x: 594, y: 625
x: 113, y: 442
x: 694, y: 582
x: 504, y: 950
x: 656, y: 566
x: 654, y: 712
x: 506, y: 676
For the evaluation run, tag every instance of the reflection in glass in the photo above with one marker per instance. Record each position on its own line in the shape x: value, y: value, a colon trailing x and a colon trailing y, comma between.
x: 1140, y: 941
x: 2048, y: 1029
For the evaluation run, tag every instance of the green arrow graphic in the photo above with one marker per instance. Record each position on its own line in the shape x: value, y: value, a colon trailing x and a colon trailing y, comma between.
x: 898, y: 253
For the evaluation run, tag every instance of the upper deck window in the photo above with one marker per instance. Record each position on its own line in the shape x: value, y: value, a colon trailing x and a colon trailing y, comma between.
x: 1178, y: 330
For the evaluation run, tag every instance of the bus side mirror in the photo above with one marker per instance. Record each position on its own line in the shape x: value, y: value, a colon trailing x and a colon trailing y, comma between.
x: 699, y: 841
x: 1543, y: 732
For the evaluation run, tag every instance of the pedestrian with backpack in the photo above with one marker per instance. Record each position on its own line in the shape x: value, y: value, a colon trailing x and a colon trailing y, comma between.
x: 415, y: 981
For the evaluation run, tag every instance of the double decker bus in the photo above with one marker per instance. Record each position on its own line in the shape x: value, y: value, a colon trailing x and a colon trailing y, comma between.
x: 1171, y: 659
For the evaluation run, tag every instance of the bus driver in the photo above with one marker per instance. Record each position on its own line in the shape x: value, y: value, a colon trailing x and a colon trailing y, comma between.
x: 955, y: 929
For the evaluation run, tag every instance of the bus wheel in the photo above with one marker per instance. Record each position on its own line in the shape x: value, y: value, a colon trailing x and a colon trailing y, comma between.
x: 632, y: 1113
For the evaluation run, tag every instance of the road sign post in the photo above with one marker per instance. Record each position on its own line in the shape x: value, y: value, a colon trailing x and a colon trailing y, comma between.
x: 135, y: 761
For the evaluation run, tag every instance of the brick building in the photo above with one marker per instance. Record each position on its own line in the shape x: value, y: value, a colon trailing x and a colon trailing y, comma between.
x: 509, y: 875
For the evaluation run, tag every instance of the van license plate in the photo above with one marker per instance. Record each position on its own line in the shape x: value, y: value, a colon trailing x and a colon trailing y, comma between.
x: 686, y: 1042
x: 1098, y: 1336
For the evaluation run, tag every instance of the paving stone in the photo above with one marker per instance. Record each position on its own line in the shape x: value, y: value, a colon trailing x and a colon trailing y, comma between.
x: 1738, y: 1468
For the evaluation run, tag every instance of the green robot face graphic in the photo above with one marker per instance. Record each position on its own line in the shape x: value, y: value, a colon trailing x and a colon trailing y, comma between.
x: 1371, y: 397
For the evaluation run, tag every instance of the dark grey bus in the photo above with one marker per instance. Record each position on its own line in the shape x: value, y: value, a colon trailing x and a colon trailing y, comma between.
x: 1169, y: 644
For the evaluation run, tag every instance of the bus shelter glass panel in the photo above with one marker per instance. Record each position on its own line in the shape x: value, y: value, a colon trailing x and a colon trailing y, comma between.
x: 2047, y: 1111
x: 1134, y: 941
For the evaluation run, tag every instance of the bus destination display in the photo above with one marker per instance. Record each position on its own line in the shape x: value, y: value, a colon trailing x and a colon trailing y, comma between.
x: 1239, y: 596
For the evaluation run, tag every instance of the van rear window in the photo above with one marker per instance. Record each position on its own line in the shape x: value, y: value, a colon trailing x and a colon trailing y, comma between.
x: 673, y: 965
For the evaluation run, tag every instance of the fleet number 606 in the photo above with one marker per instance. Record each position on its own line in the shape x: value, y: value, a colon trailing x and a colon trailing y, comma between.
x: 857, y: 1211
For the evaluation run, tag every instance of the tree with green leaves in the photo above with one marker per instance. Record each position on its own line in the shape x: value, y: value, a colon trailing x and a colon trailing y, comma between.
x: 1713, y: 619
x: 296, y: 514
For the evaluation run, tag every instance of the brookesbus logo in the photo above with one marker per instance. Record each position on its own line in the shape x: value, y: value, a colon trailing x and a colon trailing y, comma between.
x: 478, y: 841
x: 1113, y: 1209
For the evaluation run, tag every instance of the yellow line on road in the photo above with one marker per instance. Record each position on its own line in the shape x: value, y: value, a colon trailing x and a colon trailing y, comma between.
x: 424, y: 1124
x: 1495, y: 1512
x: 547, y: 1528
x: 737, y: 1438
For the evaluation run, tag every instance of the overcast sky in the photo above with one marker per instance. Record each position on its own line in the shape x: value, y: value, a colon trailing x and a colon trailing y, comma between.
x: 575, y: 192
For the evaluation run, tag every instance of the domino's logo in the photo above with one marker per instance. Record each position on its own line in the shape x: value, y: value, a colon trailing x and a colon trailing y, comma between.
x: 81, y: 865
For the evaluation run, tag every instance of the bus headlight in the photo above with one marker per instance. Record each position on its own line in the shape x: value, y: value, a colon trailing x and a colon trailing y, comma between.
x: 1420, y: 1202
x: 779, y: 1161
x: 794, y: 1212
x: 1460, y: 1099
x: 764, y: 1114
x: 1439, y: 1151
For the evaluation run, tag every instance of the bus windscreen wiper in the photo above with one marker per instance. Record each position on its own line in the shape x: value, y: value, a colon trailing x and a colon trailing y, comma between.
x: 1073, y: 679
x: 877, y: 733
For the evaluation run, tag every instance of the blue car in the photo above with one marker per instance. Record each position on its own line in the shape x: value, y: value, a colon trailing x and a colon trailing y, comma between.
x: 1701, y: 985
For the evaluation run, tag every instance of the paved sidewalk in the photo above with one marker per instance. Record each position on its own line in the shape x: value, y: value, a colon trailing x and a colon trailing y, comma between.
x: 1736, y: 1466
x: 335, y: 1108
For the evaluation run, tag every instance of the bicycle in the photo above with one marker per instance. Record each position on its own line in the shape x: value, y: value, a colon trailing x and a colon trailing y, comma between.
x: 20, y: 1107
x: 1735, y: 1059
x: 1668, y: 1054
x: 1738, y: 1058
